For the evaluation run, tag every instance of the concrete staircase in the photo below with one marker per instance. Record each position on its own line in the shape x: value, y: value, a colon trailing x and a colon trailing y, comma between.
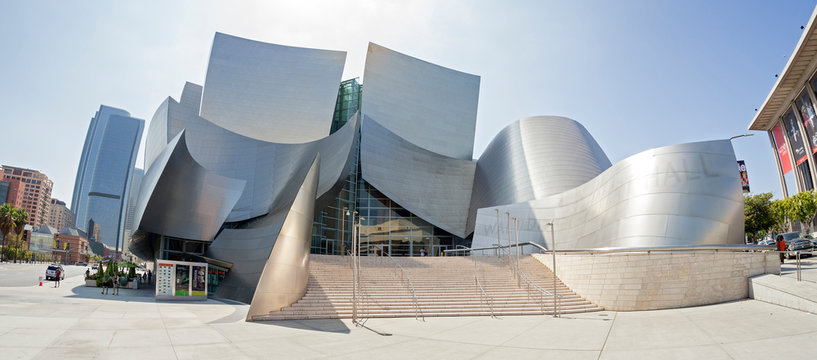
x: 443, y: 286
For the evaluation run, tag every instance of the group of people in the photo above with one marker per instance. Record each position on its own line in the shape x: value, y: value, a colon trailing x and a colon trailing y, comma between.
x: 109, y: 282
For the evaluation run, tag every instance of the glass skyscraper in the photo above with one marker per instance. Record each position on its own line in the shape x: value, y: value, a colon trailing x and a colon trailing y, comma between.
x: 105, y: 171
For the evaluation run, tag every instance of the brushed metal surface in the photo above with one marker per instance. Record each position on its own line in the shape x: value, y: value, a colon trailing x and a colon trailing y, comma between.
x: 432, y: 186
x: 271, y: 92
x: 686, y: 194
x: 265, y: 166
x: 191, y: 96
x: 249, y: 249
x: 180, y: 198
x: 533, y: 158
x: 283, y: 280
x: 431, y: 106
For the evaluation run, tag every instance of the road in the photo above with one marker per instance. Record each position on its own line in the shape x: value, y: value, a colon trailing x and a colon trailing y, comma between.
x: 28, y: 274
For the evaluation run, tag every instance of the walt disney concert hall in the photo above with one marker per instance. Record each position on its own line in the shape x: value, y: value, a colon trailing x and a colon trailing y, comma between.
x: 274, y: 158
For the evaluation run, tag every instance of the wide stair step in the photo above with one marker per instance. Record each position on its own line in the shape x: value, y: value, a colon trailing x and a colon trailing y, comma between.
x: 443, y: 286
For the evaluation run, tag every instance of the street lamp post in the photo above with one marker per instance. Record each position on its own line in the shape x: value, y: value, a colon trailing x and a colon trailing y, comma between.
x: 498, y: 241
x: 343, y: 231
x: 553, y: 252
x: 509, y: 240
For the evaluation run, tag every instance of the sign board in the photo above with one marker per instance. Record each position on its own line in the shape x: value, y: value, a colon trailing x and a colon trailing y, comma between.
x: 181, y: 280
x: 744, y: 175
x: 795, y: 138
x: 782, y: 150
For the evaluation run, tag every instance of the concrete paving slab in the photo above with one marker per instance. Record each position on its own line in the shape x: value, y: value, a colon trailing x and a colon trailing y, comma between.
x: 77, y: 322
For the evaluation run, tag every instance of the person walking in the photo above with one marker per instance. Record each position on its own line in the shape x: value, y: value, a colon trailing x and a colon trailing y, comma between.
x: 150, y: 276
x: 116, y: 284
x: 58, y: 273
x: 781, y: 246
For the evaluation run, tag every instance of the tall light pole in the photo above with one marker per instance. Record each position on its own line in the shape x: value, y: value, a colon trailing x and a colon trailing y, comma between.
x: 516, y: 230
x: 553, y: 252
x: 343, y: 231
x: 509, y: 239
x: 498, y: 242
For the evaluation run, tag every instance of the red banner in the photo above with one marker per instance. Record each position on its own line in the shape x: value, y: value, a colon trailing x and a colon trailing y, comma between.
x: 782, y: 150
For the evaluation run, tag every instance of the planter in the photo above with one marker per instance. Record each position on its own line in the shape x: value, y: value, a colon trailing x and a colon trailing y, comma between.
x: 89, y: 282
x: 132, y: 285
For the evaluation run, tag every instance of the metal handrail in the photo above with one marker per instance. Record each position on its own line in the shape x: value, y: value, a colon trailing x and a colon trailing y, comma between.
x: 542, y: 291
x: 736, y: 247
x: 417, y: 312
x: 488, y: 299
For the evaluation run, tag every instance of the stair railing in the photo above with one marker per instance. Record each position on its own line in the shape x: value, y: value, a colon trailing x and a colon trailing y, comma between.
x: 484, y: 296
x: 418, y: 313
x: 534, y: 289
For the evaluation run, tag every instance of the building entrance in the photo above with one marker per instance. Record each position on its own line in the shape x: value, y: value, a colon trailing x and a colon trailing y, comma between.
x: 375, y: 249
x: 437, y: 250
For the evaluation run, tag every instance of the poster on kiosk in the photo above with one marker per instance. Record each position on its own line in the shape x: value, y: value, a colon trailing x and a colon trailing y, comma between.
x: 181, y: 280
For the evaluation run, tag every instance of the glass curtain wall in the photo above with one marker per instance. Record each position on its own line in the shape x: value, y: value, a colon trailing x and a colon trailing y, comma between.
x: 332, y: 228
x: 385, y: 226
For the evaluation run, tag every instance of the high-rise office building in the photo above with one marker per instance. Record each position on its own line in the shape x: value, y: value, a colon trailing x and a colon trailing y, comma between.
x: 29, y: 190
x: 60, y: 216
x: 105, y: 171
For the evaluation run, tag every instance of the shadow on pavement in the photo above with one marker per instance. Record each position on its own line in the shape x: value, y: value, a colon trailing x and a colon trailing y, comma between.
x: 327, y: 325
x: 90, y: 292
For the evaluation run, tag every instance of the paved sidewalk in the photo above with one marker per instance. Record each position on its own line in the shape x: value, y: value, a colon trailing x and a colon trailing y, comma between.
x: 77, y: 322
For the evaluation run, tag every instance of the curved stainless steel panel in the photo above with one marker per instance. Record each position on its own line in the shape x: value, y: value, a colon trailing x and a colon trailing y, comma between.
x: 431, y: 106
x: 434, y: 187
x: 191, y: 96
x: 271, y: 92
x: 250, y: 249
x: 533, y: 158
x: 266, y: 167
x: 180, y: 198
x: 687, y: 194
x: 283, y: 281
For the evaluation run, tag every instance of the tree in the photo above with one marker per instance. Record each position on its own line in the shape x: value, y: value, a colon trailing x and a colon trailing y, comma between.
x: 20, y: 218
x: 757, y: 211
x: 6, y: 222
x: 803, y: 208
x: 780, y: 215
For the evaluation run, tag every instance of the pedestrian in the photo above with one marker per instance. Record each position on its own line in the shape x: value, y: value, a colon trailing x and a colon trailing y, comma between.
x: 116, y: 284
x: 87, y: 272
x: 105, y: 280
x: 58, y: 272
x: 781, y: 246
x: 150, y: 276
x: 422, y: 252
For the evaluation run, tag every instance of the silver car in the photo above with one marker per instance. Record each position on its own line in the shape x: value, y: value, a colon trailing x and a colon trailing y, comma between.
x: 51, y: 272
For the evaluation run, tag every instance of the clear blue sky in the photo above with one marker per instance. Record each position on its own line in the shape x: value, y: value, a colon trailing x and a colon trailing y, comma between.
x: 637, y: 74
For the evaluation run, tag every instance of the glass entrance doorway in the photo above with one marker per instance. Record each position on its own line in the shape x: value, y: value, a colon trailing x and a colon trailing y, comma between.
x: 437, y: 250
x: 375, y: 249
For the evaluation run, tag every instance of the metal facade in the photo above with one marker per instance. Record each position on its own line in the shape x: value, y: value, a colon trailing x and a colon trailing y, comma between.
x: 680, y: 195
x: 533, y: 158
x: 242, y: 163
x: 433, y: 107
x: 271, y: 92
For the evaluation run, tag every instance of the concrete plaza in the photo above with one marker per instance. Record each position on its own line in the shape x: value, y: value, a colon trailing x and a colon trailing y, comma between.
x: 77, y: 322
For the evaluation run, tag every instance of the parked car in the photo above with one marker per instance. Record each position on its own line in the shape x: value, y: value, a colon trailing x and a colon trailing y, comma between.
x: 798, y: 245
x: 790, y: 236
x: 766, y: 242
x: 81, y: 263
x: 51, y: 272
